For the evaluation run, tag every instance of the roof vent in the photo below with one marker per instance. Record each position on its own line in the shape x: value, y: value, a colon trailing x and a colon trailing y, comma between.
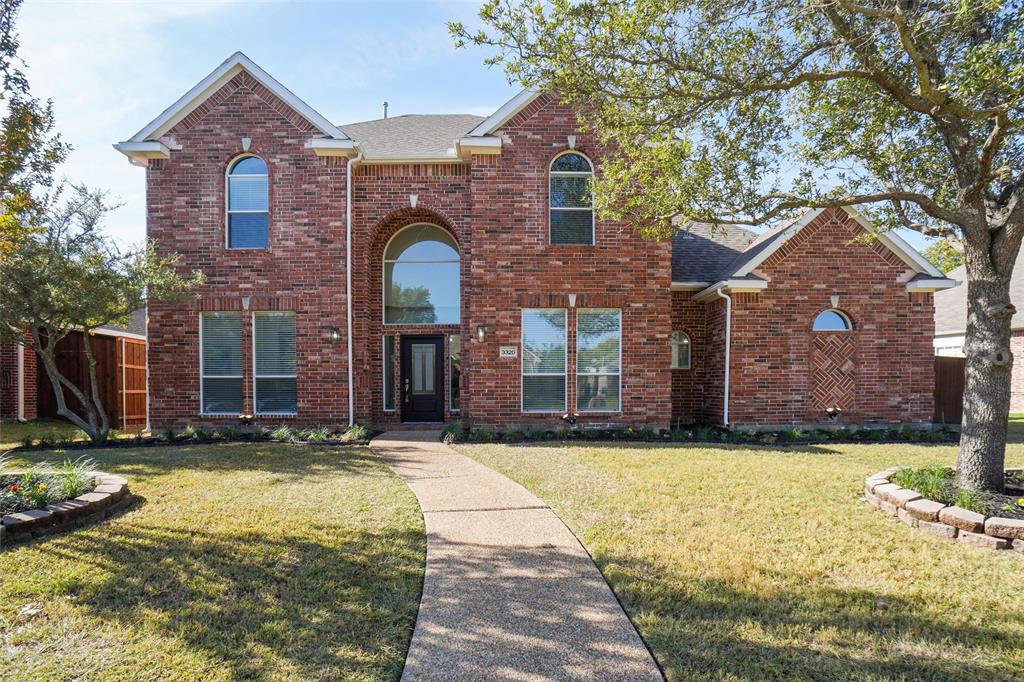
x: 385, y: 108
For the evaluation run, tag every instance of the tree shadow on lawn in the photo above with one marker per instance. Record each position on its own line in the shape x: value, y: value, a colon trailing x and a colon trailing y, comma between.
x: 289, y: 461
x: 328, y: 609
x: 716, y: 629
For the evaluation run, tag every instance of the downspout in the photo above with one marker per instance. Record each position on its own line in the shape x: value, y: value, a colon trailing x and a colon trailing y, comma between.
x: 728, y: 344
x: 348, y: 281
x: 21, y: 382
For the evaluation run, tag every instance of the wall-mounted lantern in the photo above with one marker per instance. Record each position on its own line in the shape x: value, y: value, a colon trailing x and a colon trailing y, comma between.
x: 333, y: 335
x: 481, y: 333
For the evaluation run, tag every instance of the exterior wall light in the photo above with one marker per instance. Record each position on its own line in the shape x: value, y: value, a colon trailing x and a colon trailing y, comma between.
x: 334, y: 335
x: 481, y: 333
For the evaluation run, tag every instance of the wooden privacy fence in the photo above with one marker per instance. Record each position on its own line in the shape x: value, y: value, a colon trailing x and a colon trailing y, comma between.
x: 120, y: 370
x: 949, y: 389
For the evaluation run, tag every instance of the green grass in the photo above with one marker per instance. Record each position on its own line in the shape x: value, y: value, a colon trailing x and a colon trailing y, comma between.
x: 267, y: 561
x: 12, y: 433
x: 753, y: 564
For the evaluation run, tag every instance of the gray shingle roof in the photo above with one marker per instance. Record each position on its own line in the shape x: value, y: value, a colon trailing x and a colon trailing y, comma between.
x: 702, y: 252
x: 412, y: 134
x: 136, y: 324
x: 951, y: 304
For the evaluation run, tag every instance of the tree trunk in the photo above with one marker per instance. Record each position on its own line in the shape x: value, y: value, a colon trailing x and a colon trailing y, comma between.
x: 47, y: 354
x: 97, y: 413
x: 988, y: 373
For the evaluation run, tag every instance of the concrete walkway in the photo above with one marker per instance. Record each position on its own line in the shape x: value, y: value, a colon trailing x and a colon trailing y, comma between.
x: 509, y: 593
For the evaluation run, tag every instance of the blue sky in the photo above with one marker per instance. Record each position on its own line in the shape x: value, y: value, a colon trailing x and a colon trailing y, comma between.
x: 111, y: 67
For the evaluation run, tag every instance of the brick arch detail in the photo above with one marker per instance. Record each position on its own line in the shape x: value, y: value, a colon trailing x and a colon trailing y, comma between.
x: 401, y: 218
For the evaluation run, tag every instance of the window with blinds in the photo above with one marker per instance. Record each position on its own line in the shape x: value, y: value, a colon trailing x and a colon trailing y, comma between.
x: 571, y: 205
x: 598, y: 360
x: 544, y: 359
x: 220, y: 362
x: 680, y: 350
x: 274, y: 362
x: 248, y: 204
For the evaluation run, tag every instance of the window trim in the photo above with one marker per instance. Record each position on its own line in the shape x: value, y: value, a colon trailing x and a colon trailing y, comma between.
x: 598, y: 374
x: 255, y: 376
x: 227, y: 201
x: 689, y: 342
x: 202, y: 368
x: 841, y: 314
x: 384, y: 280
x: 593, y: 213
x: 522, y: 356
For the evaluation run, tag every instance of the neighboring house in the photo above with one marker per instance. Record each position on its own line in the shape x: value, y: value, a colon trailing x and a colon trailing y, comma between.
x: 951, y: 325
x: 430, y: 268
x: 120, y: 353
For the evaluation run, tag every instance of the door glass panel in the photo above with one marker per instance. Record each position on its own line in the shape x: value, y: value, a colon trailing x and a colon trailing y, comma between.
x: 422, y: 368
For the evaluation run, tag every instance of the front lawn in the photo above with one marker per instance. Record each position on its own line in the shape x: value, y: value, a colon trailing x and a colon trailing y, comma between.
x: 246, y: 561
x: 754, y: 563
x: 12, y: 432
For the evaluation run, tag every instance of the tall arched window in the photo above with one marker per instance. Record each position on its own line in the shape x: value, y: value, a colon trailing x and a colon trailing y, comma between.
x: 248, y: 203
x: 831, y: 321
x: 571, y: 204
x: 421, y: 277
x: 680, y: 350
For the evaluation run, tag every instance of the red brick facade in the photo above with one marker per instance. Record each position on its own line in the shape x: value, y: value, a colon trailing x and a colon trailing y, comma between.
x: 9, y: 381
x: 495, y: 207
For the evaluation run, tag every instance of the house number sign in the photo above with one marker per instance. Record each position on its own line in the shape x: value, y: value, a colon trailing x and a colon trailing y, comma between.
x: 509, y: 352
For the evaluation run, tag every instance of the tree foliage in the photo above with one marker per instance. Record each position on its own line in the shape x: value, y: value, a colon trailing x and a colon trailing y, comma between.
x: 943, y: 255
x: 67, y: 276
x: 29, y: 147
x: 749, y: 111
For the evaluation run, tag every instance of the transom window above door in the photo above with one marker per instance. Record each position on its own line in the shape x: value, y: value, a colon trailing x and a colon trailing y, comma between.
x: 421, y: 277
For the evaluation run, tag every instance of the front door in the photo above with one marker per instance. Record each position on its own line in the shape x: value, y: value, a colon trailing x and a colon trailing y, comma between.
x: 422, y: 378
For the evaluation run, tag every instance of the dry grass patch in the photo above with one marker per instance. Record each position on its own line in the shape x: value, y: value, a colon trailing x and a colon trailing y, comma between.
x: 752, y: 564
x: 254, y: 561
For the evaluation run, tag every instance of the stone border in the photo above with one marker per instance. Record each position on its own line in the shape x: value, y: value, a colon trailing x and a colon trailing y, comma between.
x: 110, y: 496
x: 955, y: 523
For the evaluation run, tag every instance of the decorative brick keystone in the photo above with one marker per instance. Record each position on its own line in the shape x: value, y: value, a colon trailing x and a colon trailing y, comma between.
x: 986, y: 541
x: 963, y: 519
x: 924, y: 510
x: 1005, y: 528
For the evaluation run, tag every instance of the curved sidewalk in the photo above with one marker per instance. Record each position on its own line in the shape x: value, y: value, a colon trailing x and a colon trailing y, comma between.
x: 509, y: 593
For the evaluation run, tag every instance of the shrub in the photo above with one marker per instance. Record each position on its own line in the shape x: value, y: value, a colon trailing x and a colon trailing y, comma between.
x: 705, y: 433
x: 515, y: 435
x: 282, y: 433
x: 187, y: 433
x: 561, y: 432
x: 454, y: 432
x: 75, y: 478
x: 27, y: 441
x: 536, y: 433
x: 317, y: 434
x: 932, y: 482
x: 970, y: 500
x: 481, y: 435
x: 357, y: 432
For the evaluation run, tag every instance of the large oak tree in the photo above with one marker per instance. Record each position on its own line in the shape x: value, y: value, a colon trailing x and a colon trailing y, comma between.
x: 748, y: 111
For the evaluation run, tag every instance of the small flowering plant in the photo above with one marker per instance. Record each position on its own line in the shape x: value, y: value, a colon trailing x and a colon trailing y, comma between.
x: 44, y: 484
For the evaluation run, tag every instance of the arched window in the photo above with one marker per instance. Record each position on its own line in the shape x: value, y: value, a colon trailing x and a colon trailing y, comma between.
x: 248, y: 203
x: 571, y: 204
x: 680, y: 350
x: 832, y: 321
x: 421, y: 277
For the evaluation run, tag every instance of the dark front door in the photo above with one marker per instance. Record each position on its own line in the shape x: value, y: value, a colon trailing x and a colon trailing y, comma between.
x: 422, y: 378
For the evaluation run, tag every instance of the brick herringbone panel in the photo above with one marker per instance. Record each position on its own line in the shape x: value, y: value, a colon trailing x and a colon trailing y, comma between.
x: 834, y: 370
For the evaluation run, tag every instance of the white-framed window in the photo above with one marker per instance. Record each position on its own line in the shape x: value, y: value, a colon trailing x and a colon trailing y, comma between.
x: 220, y: 362
x: 681, y: 350
x: 248, y: 203
x: 570, y: 201
x: 544, y: 359
x: 598, y: 360
x: 454, y: 372
x: 421, y: 277
x: 832, y: 321
x: 389, y: 373
x: 273, y: 356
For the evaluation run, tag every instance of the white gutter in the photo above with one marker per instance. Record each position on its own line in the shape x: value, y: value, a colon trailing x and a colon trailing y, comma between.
x: 348, y: 280
x: 21, y: 382
x: 728, y: 344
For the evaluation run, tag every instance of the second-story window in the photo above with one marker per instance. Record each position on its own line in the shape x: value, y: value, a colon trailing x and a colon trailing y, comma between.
x: 571, y: 205
x: 248, y: 203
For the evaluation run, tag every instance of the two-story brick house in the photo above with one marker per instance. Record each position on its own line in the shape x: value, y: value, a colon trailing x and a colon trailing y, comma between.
x: 425, y: 268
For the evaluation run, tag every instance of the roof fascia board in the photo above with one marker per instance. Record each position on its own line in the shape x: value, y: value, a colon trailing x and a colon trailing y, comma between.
x: 732, y: 286
x: 409, y: 158
x: 897, y: 245
x: 218, y: 77
x: 935, y: 284
x: 689, y: 286
x: 329, y: 147
x: 484, y: 144
x: 139, y: 153
x: 504, y: 113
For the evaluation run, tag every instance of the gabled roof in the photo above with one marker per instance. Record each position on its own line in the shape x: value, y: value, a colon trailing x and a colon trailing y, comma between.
x: 504, y: 113
x: 951, y: 305
x: 230, y: 68
x: 730, y: 253
x: 426, y: 135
